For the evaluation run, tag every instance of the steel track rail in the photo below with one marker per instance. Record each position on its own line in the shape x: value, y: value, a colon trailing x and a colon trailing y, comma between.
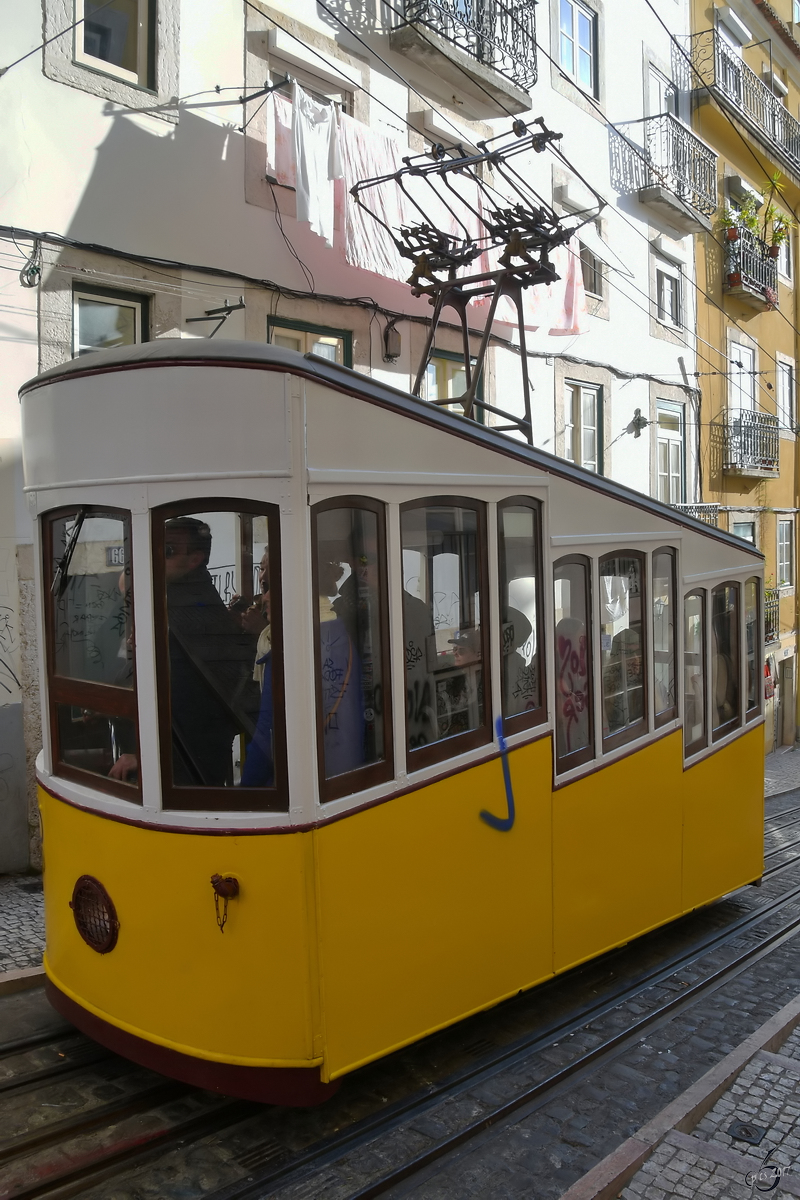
x: 365, y: 1130
x: 75, y: 1179
x: 585, y: 1064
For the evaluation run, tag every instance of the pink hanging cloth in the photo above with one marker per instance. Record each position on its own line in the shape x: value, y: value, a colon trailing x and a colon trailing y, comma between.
x: 368, y: 154
x: 280, y: 146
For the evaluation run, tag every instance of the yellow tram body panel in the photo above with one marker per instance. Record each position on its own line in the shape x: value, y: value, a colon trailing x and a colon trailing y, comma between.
x: 243, y: 996
x: 399, y: 919
x: 724, y: 819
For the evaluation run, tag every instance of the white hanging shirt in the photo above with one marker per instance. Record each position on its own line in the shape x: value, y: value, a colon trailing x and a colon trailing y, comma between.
x: 315, y: 132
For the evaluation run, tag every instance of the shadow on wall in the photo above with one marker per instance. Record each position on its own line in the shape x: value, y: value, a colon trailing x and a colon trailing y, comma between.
x: 14, y: 850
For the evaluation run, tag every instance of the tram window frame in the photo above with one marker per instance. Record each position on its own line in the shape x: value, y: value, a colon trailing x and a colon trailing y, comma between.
x: 700, y: 743
x: 179, y: 798
x: 450, y: 747
x: 538, y: 715
x: 62, y: 690
x: 338, y: 786
x: 584, y: 754
x: 668, y: 714
x: 718, y: 732
x: 638, y: 728
x: 753, y: 711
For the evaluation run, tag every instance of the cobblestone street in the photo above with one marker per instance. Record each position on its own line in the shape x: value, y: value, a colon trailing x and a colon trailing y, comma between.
x: 21, y: 922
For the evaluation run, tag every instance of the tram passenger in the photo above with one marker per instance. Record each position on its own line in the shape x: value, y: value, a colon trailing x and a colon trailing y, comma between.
x: 213, y: 698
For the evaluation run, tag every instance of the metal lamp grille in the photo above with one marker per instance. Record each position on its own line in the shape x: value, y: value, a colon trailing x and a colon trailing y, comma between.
x: 95, y: 915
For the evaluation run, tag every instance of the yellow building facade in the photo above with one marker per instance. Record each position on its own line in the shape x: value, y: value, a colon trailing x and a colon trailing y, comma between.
x: 740, y: 75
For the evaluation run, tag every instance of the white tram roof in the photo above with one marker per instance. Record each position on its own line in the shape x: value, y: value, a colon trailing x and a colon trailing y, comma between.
x: 196, y: 352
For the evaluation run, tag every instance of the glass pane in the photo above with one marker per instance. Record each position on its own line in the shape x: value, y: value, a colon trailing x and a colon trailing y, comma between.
x: 664, y: 631
x: 217, y: 572
x: 621, y: 643
x: 573, y: 661
x: 351, y: 666
x: 566, y: 17
x: 288, y: 343
x: 725, y: 656
x: 584, y: 31
x: 751, y: 639
x: 111, y: 32
x: 668, y: 420
x: 585, y: 68
x: 519, y: 542
x: 694, y: 711
x: 93, y: 600
x: 101, y: 325
x: 95, y: 741
x: 328, y: 347
x: 442, y: 623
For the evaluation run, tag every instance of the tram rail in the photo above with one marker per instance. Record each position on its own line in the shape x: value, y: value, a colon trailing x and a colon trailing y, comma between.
x: 270, y: 1167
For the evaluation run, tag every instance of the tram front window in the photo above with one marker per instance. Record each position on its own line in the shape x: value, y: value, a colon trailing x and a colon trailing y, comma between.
x: 752, y: 628
x: 353, y: 694
x: 89, y: 619
x: 219, y: 663
x: 665, y: 700
x: 443, y: 598
x: 694, y: 672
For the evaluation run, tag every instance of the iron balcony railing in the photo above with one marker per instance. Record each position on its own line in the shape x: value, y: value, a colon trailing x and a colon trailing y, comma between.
x: 752, y: 442
x: 732, y: 82
x: 671, y: 155
x: 750, y: 265
x: 772, y: 615
x: 501, y: 34
x: 709, y: 513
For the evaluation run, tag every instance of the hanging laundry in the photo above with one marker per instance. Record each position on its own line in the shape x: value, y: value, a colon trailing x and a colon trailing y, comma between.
x: 568, y: 312
x: 315, y: 133
x: 367, y: 154
x: 280, y: 144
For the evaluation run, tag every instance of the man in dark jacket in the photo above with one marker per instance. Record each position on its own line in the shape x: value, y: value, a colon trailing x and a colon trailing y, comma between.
x: 213, y: 697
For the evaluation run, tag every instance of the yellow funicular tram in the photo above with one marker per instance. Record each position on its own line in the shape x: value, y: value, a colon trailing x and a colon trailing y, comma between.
x: 359, y: 717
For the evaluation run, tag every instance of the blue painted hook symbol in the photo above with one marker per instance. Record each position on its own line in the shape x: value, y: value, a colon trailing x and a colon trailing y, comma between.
x: 502, y: 823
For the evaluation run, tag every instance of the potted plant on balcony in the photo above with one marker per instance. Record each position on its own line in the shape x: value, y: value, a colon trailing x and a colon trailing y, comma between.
x: 781, y: 228
x: 729, y: 223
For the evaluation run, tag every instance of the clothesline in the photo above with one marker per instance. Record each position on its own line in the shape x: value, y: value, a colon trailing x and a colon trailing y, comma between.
x: 323, y: 153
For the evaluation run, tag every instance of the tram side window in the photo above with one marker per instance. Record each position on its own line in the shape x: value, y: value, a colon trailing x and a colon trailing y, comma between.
x: 725, y: 659
x: 220, y: 667
x: 90, y: 646
x: 665, y: 699
x: 622, y: 645
x: 573, y: 664
x: 520, y: 657
x: 445, y: 636
x: 353, y: 689
x: 694, y: 672
x: 752, y: 636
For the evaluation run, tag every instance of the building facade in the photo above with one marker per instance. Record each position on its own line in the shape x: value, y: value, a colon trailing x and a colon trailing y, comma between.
x: 151, y: 190
x: 741, y: 69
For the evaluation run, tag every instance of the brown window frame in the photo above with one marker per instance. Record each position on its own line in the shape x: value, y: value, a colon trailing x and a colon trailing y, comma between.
x: 702, y: 742
x: 735, y: 722
x: 668, y: 714
x: 632, y: 733
x: 373, y: 773
x: 750, y: 714
x: 219, y: 799
x: 578, y: 758
x: 535, y: 716
x: 102, y: 698
x: 450, y: 747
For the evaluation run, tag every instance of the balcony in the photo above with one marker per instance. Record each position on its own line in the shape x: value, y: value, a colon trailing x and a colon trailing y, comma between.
x: 669, y: 168
x: 739, y: 90
x: 751, y: 444
x: 485, y: 49
x: 708, y: 513
x: 751, y: 273
x: 772, y: 616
